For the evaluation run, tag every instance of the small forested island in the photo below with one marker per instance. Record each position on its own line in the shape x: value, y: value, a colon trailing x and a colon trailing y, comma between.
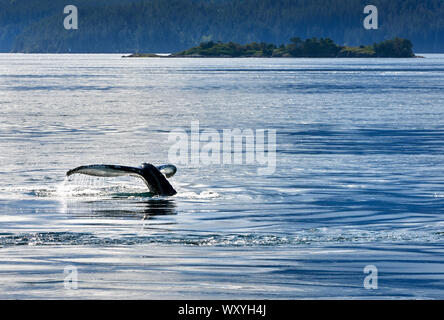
x: 309, y: 48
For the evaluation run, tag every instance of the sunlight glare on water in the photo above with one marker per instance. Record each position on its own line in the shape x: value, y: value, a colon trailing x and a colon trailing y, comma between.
x: 358, y: 180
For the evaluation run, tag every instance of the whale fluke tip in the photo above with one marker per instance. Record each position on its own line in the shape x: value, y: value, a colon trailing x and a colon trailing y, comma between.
x: 168, y: 170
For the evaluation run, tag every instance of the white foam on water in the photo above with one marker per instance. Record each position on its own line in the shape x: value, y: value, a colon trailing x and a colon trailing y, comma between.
x: 201, y: 195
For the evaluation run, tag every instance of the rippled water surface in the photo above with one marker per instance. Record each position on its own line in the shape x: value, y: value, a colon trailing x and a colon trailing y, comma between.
x: 358, y: 180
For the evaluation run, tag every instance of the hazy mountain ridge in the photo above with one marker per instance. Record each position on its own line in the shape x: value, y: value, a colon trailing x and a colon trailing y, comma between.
x: 174, y: 25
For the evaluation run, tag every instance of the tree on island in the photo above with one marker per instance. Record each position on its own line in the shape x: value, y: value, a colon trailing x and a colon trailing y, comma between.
x: 394, y: 48
x: 312, y: 47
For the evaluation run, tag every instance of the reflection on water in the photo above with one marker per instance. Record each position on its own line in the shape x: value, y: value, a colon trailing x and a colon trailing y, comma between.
x: 142, y: 209
x: 159, y: 207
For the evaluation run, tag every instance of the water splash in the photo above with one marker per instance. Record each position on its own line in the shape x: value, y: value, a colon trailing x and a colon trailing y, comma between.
x: 87, y: 186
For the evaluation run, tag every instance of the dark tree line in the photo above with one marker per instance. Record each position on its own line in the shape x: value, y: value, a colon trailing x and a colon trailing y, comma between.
x: 313, y: 47
x: 175, y: 25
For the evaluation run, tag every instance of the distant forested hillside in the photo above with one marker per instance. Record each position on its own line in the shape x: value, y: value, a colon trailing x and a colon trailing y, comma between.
x: 175, y: 25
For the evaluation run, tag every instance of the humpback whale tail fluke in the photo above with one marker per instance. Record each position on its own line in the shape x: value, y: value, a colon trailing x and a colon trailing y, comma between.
x: 154, y: 177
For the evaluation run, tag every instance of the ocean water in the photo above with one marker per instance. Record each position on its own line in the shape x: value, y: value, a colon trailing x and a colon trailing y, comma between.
x: 358, y: 179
